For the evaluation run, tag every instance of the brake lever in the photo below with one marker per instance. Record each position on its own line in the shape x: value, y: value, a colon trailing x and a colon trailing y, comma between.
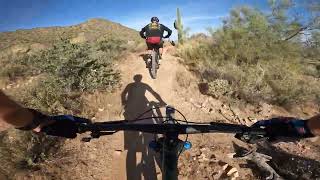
x: 251, y: 138
x: 96, y: 135
x: 85, y: 127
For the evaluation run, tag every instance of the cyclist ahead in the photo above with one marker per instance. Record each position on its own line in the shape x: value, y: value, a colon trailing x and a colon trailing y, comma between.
x: 153, y: 33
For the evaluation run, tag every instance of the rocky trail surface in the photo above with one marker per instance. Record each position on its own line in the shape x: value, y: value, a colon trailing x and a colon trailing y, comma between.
x: 126, y: 155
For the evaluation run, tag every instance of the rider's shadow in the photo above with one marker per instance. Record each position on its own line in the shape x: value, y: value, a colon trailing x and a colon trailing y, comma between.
x: 141, y: 161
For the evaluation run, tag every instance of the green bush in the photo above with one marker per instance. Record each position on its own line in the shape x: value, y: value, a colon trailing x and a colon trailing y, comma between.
x: 246, y: 59
x: 24, y: 151
x: 68, y: 70
x: 65, y: 73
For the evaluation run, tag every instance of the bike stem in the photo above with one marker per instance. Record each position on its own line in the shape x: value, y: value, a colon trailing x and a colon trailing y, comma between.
x: 171, y: 148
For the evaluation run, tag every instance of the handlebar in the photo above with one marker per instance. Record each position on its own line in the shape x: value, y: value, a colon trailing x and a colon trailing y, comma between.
x: 213, y: 127
x: 107, y: 128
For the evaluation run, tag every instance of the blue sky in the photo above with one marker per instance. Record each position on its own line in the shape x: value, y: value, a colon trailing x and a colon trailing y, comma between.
x: 197, y: 14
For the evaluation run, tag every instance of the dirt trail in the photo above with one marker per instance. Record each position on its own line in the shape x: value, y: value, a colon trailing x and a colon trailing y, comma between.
x: 171, y: 92
x: 107, y: 157
x: 126, y: 155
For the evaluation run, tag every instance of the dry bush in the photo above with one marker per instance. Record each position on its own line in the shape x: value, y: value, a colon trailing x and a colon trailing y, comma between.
x: 23, y: 151
x: 68, y: 71
x: 247, y: 59
x: 182, y: 79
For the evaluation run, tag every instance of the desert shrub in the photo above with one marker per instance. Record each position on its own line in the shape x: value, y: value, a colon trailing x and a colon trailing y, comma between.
x: 66, y: 72
x: 248, y: 59
x: 22, y: 151
x: 68, y: 69
x: 64, y: 75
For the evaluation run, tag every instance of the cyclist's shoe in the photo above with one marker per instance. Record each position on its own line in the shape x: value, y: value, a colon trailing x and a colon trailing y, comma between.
x: 159, y: 61
x: 148, y: 61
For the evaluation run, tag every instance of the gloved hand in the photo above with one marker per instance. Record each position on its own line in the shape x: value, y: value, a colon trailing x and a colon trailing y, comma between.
x: 63, y: 126
x: 285, y: 127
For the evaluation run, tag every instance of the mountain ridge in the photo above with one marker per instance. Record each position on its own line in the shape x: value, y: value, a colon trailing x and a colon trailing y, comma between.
x: 89, y: 31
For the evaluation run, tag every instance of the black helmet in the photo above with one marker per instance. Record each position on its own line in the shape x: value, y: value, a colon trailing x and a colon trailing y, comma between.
x: 154, y: 19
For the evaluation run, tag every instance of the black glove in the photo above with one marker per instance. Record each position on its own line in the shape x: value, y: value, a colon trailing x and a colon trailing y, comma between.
x: 63, y: 126
x: 285, y: 127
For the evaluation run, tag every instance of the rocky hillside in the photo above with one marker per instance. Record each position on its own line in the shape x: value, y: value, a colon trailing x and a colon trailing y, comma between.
x: 46, y: 68
x: 33, y: 40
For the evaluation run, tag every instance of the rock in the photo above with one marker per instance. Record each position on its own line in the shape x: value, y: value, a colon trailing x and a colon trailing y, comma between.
x: 117, y: 152
x: 81, y: 38
x: 202, y: 158
x: 197, y: 105
x: 197, y: 153
x: 213, y: 156
x: 235, y: 176
x: 203, y: 149
x: 203, y: 88
x: 101, y: 109
x: 232, y: 171
x: 230, y: 155
x: 217, y: 175
x: 92, y: 156
x: 205, y: 103
x: 224, y: 167
x: 36, y: 47
x: 252, y: 120
x: 314, y: 139
x: 213, y: 162
x: 20, y: 48
x: 131, y: 43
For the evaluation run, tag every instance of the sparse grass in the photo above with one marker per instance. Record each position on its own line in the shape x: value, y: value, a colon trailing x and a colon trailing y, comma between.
x: 22, y: 151
x: 66, y: 74
x: 273, y: 76
x: 182, y: 80
x: 276, y: 81
x: 67, y: 71
x: 92, y: 29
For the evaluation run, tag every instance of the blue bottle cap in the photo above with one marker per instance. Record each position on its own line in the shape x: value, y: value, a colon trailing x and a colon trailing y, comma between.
x: 187, y: 145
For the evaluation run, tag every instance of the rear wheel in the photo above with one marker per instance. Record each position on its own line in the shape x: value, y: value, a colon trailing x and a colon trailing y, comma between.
x: 154, y: 64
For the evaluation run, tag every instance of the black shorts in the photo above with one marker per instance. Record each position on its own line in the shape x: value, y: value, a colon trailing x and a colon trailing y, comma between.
x: 152, y: 46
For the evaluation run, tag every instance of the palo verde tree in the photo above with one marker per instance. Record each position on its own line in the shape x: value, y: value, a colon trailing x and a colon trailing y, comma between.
x: 292, y: 19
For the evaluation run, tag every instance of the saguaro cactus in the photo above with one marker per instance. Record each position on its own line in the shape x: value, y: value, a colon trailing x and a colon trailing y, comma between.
x: 179, y: 27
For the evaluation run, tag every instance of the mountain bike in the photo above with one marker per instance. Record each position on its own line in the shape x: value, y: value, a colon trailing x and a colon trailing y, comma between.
x: 155, y: 56
x: 169, y: 146
x: 154, y: 63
